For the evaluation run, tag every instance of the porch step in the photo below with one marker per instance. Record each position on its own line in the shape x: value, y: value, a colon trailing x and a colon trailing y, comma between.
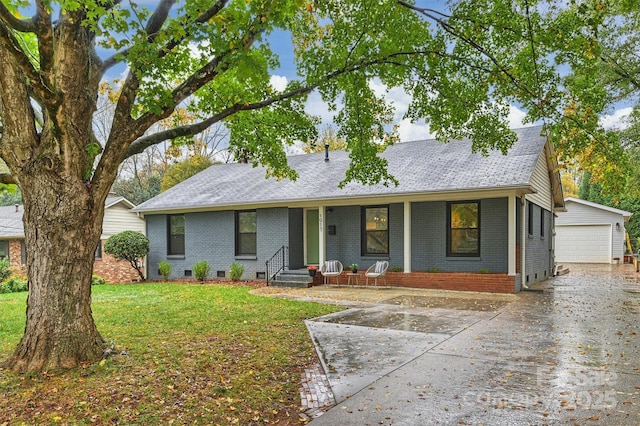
x: 560, y: 270
x: 293, y: 278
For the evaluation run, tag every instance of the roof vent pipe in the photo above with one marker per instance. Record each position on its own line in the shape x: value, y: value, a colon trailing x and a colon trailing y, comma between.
x: 17, y: 208
x: 326, y: 152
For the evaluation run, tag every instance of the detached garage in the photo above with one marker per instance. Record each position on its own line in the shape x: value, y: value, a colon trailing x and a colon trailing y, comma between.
x: 589, y: 232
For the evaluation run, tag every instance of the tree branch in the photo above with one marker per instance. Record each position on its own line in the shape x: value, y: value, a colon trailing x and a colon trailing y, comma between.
x: 192, y: 129
x: 620, y: 71
x: 158, y: 18
x: 156, y: 23
x: 23, y: 26
x: 8, y: 178
x: 203, y: 76
x: 45, y: 40
x: 12, y: 45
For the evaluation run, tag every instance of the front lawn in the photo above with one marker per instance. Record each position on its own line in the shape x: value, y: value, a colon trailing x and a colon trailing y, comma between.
x: 185, y: 354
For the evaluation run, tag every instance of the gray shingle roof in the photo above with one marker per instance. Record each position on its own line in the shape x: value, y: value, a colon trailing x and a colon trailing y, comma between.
x: 421, y: 167
x: 11, y: 222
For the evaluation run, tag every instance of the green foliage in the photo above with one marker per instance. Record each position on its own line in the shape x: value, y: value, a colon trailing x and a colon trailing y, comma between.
x: 433, y: 270
x: 131, y: 246
x: 483, y: 271
x: 353, y: 266
x: 201, y: 270
x: 165, y: 268
x: 396, y: 269
x: 10, y: 195
x: 138, y: 189
x: 97, y: 280
x: 14, y: 285
x: 235, y: 271
x: 184, y: 170
x: 5, y: 270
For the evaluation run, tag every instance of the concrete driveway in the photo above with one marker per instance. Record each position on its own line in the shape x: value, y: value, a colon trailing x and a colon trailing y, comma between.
x: 567, y: 354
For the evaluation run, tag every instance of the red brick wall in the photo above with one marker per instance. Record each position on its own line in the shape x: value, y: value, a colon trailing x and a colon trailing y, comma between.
x: 463, y: 281
x: 15, y: 258
x: 112, y: 270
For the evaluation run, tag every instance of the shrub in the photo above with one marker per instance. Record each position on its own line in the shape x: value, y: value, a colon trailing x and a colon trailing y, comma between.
x: 235, y: 271
x: 433, y: 270
x: 201, y: 270
x: 14, y: 285
x: 396, y: 269
x: 165, y: 268
x: 131, y: 246
x: 97, y: 280
x: 5, y: 272
x: 483, y: 271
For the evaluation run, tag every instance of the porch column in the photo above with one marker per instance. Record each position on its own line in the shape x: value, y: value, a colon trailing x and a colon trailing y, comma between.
x: 511, y: 229
x: 407, y: 237
x: 523, y: 240
x: 322, y: 242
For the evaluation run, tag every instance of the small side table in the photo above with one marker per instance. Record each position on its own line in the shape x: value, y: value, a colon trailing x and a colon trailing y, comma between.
x: 355, y: 275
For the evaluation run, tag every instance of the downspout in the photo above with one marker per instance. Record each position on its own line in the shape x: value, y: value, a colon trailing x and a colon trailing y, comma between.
x: 523, y: 239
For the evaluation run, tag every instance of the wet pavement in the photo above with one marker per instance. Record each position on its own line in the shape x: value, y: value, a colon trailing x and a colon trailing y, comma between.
x: 567, y: 354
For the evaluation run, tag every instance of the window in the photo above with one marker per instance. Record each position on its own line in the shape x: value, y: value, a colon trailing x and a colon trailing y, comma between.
x: 98, y: 254
x: 464, y: 228
x: 4, y: 249
x: 542, y: 223
x: 246, y: 227
x: 175, y: 231
x: 530, y: 219
x: 375, y: 232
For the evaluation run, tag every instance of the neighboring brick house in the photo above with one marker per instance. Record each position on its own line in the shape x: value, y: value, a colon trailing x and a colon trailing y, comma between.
x: 118, y: 217
x: 485, y: 223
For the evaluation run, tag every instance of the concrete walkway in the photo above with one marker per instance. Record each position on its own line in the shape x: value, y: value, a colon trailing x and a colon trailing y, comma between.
x: 565, y: 355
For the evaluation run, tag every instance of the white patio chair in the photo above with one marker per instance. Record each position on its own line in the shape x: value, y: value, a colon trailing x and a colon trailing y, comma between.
x: 331, y: 268
x: 377, y: 270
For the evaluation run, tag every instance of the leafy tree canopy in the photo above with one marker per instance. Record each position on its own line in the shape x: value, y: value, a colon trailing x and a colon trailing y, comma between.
x: 184, y: 170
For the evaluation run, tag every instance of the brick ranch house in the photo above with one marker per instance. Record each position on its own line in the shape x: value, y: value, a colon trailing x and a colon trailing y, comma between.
x: 118, y: 217
x: 484, y: 223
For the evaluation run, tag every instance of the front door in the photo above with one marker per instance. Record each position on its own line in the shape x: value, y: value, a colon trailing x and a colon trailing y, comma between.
x: 313, y: 238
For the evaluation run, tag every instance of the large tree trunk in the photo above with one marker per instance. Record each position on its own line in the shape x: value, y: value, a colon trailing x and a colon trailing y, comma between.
x: 63, y: 203
x: 62, y: 229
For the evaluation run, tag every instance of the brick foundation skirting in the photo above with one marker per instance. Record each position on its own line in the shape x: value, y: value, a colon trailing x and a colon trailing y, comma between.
x: 461, y: 281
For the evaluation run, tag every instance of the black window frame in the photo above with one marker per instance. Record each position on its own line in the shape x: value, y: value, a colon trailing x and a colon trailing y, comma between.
x: 5, y: 245
x: 23, y: 252
x: 478, y: 251
x: 239, y: 249
x: 542, y: 225
x: 364, y: 249
x: 172, y: 249
x: 98, y: 253
x: 530, y: 219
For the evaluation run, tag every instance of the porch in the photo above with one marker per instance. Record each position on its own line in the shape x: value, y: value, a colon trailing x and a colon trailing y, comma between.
x: 456, y: 281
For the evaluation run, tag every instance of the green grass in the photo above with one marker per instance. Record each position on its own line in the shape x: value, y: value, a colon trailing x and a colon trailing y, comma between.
x: 203, y: 354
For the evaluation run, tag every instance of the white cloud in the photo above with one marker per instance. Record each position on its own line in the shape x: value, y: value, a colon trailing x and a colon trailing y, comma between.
x: 278, y: 82
x: 316, y: 106
x: 409, y: 131
x: 617, y: 120
x: 516, y: 116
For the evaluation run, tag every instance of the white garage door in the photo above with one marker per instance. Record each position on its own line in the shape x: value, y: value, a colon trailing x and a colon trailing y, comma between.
x: 583, y: 243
